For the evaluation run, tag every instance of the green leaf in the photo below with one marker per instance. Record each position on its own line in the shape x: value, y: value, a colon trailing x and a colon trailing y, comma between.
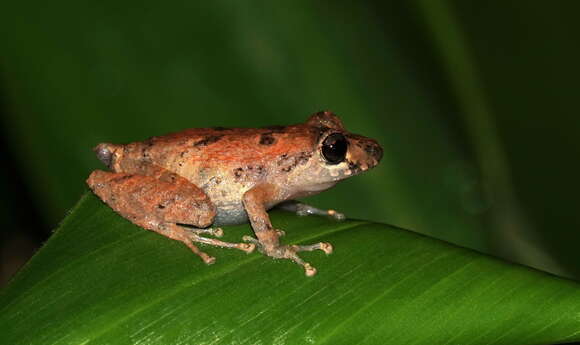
x: 102, y: 280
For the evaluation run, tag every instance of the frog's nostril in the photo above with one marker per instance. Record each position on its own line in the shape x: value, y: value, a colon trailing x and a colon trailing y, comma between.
x: 374, y: 150
x: 378, y: 153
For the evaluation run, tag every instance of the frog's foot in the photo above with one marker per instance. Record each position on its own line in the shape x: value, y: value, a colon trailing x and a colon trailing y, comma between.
x: 302, y: 209
x: 188, y: 236
x: 291, y: 252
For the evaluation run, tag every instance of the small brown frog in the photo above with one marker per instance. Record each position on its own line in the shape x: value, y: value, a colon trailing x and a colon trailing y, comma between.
x: 208, y: 177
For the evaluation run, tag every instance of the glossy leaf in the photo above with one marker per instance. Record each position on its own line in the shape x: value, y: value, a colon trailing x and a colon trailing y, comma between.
x: 102, y: 280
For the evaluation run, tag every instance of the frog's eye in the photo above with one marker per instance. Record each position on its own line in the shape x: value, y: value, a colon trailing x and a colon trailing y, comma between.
x: 334, y: 148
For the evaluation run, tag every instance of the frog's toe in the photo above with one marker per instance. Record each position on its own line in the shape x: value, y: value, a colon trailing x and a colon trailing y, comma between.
x: 209, y: 260
x: 217, y: 232
x: 247, y: 247
x: 324, y: 246
x: 250, y: 239
x: 336, y: 215
x: 309, y: 270
x: 291, y: 252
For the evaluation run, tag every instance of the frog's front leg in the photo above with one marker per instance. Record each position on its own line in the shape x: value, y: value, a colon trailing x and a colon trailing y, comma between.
x: 161, y: 203
x: 303, y: 209
x: 255, y: 202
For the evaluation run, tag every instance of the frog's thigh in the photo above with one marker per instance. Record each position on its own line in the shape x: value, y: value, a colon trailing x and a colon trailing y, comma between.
x: 150, y: 202
x: 160, y: 206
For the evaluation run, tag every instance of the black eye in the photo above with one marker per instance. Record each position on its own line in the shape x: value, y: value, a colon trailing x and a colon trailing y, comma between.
x: 334, y: 148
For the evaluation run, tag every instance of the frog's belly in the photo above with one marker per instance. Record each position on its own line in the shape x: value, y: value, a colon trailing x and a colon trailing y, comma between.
x: 230, y: 215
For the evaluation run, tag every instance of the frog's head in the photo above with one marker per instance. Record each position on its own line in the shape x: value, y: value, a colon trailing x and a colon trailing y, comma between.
x: 340, y: 154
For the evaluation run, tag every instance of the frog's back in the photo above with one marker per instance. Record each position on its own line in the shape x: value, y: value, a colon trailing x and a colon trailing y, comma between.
x: 201, y: 153
x: 204, y: 148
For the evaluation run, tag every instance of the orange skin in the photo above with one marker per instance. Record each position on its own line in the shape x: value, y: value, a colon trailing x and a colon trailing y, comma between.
x: 218, y: 176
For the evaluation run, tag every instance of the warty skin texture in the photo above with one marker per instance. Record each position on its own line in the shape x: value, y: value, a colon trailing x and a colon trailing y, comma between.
x: 220, y: 176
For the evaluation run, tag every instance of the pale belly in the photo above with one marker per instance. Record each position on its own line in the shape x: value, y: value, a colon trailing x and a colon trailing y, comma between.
x: 231, y: 214
x: 227, y: 199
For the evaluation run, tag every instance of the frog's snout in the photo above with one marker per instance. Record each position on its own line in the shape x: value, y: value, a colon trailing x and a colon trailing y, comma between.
x: 373, y: 152
x: 363, y: 154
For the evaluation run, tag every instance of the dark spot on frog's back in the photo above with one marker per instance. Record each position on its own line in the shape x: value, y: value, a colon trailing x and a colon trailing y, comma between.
x: 208, y: 140
x: 267, y: 139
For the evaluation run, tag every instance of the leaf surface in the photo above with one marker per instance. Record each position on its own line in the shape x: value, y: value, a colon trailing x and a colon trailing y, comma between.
x: 102, y: 280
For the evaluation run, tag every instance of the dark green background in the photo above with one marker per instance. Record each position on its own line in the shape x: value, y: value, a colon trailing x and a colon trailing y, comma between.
x: 475, y: 104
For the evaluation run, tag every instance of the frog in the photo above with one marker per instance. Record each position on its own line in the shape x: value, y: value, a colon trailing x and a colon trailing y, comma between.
x: 187, y: 185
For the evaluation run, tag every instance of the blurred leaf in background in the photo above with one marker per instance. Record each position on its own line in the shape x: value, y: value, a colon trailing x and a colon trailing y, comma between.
x: 527, y: 57
x: 412, y: 75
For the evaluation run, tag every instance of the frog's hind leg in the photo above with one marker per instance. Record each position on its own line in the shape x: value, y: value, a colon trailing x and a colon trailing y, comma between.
x: 161, y: 205
x: 188, y: 236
